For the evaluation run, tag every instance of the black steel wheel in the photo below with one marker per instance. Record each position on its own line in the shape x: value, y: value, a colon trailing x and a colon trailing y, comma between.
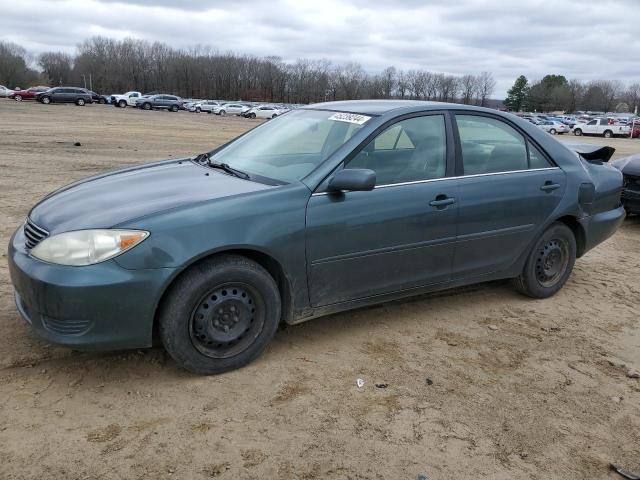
x: 227, y: 320
x: 549, y: 263
x: 220, y: 314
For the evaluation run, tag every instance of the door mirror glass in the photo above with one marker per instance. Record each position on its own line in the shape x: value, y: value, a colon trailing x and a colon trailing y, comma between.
x: 353, y: 179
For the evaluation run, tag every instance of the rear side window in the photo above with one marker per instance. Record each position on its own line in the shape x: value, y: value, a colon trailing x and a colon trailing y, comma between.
x: 536, y: 158
x: 490, y: 146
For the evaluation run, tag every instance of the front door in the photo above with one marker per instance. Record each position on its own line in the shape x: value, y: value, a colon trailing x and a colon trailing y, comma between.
x: 398, y: 236
x: 509, y: 188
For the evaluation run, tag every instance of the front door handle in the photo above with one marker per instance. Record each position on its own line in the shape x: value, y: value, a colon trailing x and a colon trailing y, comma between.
x: 442, y: 201
x: 549, y: 186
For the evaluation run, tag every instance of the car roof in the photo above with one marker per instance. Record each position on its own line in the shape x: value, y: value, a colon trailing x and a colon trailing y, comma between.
x: 380, y: 107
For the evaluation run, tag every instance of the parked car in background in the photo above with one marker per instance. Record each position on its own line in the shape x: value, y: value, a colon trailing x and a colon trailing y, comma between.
x: 79, y: 96
x: 126, y: 99
x: 28, y: 94
x: 4, y: 91
x: 97, y: 98
x: 204, y: 106
x: 230, y: 109
x: 553, y: 127
x: 165, y: 102
x: 630, y: 168
x: 330, y: 207
x: 262, y: 111
x: 601, y: 126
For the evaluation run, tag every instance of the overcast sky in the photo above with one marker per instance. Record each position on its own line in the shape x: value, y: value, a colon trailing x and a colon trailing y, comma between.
x: 584, y: 39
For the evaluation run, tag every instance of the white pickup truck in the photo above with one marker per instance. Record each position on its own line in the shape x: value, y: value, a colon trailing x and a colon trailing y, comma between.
x: 601, y: 126
x: 126, y: 99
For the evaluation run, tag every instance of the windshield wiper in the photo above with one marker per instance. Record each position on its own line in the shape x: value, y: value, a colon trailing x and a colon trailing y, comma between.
x: 205, y: 158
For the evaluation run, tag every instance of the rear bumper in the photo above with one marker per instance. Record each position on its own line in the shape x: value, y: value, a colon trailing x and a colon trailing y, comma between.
x: 101, y: 306
x: 600, y: 226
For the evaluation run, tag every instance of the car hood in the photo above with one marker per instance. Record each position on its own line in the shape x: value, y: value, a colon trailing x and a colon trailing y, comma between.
x: 628, y: 165
x: 107, y: 200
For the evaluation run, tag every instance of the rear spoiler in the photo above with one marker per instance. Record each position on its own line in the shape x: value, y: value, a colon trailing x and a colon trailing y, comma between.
x: 593, y: 153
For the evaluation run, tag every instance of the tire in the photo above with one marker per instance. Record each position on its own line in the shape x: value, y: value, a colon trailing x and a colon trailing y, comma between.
x: 46, y: 100
x: 219, y: 315
x: 102, y: 101
x: 80, y: 102
x: 607, y: 134
x: 549, y: 263
x: 198, y: 110
x: 122, y: 103
x: 252, y: 115
x: 18, y: 98
x: 274, y: 115
x: 553, y: 131
x: 222, y: 113
x: 174, y: 108
x: 146, y: 106
x: 577, y: 132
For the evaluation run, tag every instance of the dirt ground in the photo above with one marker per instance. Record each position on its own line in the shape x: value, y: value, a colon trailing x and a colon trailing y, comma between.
x: 478, y: 383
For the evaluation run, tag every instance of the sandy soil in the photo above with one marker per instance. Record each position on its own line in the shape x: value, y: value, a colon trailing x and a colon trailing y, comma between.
x: 478, y: 383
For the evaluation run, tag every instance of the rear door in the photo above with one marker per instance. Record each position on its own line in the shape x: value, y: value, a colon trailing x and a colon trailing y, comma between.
x: 398, y: 236
x: 507, y: 189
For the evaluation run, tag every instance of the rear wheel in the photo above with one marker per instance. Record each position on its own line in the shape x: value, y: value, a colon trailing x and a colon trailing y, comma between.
x: 274, y: 115
x: 198, y: 110
x: 577, y: 132
x: 549, y: 264
x: 102, y: 101
x: 252, y: 115
x: 608, y: 134
x: 220, y: 315
x: 173, y: 108
x: 80, y: 102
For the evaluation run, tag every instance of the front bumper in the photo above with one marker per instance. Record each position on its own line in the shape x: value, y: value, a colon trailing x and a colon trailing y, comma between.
x: 600, y: 226
x: 101, y: 306
x: 631, y: 200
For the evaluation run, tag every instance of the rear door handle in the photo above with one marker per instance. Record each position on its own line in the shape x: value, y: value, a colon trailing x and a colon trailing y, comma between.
x: 549, y: 187
x: 442, y: 201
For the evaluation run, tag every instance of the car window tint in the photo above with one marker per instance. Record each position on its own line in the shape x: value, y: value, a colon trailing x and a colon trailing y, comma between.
x: 536, y: 158
x: 489, y: 145
x: 410, y: 150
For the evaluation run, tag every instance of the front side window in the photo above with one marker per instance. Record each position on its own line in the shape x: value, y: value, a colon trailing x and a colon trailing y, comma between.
x: 490, y: 146
x: 410, y: 150
x: 291, y: 146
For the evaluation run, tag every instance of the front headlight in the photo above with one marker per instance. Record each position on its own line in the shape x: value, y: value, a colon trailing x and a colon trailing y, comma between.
x: 86, y: 247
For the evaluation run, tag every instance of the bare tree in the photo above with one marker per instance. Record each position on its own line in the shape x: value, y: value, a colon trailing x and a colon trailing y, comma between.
x: 486, y: 86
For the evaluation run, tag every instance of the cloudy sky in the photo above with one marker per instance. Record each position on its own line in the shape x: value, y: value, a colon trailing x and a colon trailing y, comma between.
x: 584, y: 39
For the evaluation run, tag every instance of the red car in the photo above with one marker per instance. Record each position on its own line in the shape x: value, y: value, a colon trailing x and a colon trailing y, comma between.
x: 28, y: 94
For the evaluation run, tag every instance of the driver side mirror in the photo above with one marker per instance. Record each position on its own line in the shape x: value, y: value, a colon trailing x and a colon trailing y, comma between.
x: 353, y: 179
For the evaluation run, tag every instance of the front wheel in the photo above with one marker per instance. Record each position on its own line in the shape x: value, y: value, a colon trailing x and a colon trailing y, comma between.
x: 174, y: 108
x: 18, y: 98
x: 549, y: 264
x: 220, y: 315
x: 222, y: 113
x: 198, y: 110
x: 252, y: 115
x: 122, y: 103
x: 46, y: 100
x: 102, y: 101
x: 577, y: 132
x: 146, y: 106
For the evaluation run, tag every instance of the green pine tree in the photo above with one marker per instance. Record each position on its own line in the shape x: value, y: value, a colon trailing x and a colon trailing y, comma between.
x: 517, y: 94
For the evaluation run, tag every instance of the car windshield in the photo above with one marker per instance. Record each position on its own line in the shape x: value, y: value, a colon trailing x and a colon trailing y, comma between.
x: 292, y: 146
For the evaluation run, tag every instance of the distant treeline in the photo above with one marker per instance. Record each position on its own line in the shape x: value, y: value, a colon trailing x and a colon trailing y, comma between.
x: 556, y: 93
x: 200, y: 72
